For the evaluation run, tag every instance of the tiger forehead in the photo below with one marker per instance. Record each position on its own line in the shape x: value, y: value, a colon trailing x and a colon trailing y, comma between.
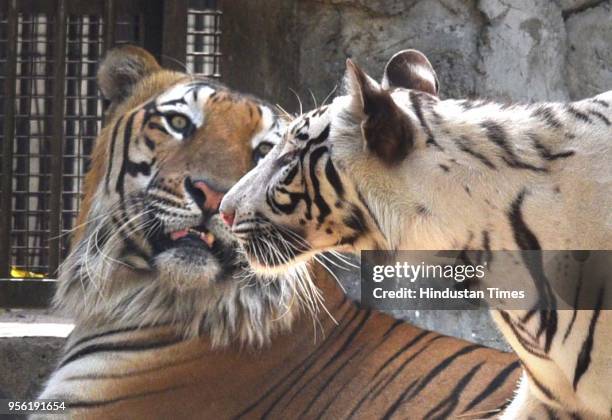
x: 246, y: 114
x: 309, y: 124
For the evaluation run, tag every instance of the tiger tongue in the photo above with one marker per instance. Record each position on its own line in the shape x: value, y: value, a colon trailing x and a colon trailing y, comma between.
x: 179, y: 234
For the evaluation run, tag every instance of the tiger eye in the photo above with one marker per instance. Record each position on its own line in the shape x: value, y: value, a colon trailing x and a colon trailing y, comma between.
x: 179, y: 122
x: 264, y: 148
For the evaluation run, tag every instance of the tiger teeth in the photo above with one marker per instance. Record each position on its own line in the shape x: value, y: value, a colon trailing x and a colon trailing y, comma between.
x: 206, y: 237
x: 209, y: 238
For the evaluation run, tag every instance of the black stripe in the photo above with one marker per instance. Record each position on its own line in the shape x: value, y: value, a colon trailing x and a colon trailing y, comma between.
x: 545, y: 152
x: 517, y: 164
x: 371, y: 394
x: 367, y: 207
x: 399, y: 401
x: 333, y: 178
x: 546, y: 114
x: 156, y: 126
x: 302, y: 366
x: 527, y: 240
x: 447, y: 405
x: 315, y: 376
x: 318, y: 199
x: 350, y: 338
x: 579, y: 115
x: 600, y: 102
x: 329, y: 380
x: 462, y: 143
x: 175, y: 101
x: 497, y: 135
x: 550, y: 413
x: 416, y: 105
x: 528, y: 346
x: 493, y: 386
x: 402, y: 350
x: 576, y: 301
x: 601, y: 116
x: 337, y: 393
x: 312, y: 359
x: 122, y: 346
x: 112, y: 152
x: 100, y: 403
x: 156, y: 368
x: 441, y: 367
x: 380, y: 386
x: 135, y: 168
x: 584, y: 358
x: 396, y: 323
x: 149, y: 143
x: 290, y: 175
x: 355, y: 220
x: 119, y: 187
x: 547, y: 392
x: 111, y: 332
x: 524, y: 237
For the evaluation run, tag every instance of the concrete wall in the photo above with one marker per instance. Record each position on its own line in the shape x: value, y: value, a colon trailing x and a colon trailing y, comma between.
x: 503, y: 49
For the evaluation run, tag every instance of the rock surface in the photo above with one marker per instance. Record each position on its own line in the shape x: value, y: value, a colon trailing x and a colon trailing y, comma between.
x: 589, y: 58
x: 505, y: 49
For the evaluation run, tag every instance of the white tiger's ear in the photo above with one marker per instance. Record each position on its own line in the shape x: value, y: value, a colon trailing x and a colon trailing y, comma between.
x: 410, y: 69
x: 386, y: 128
x: 122, y: 68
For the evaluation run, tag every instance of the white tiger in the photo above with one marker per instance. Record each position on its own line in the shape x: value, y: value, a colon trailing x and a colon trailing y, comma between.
x: 391, y: 166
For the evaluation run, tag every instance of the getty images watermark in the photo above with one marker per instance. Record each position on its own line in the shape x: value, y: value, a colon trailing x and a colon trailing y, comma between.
x: 404, y: 271
x: 494, y: 279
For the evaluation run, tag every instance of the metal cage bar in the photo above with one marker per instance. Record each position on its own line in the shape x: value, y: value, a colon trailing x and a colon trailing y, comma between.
x: 7, y: 141
x: 52, y: 112
x: 57, y: 130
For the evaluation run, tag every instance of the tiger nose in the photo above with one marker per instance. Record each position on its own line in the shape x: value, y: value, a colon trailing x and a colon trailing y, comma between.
x: 228, y: 213
x: 205, y: 196
x: 228, y: 218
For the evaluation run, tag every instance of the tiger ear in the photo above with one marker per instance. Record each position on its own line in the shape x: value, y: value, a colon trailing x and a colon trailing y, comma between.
x: 410, y: 69
x: 122, y: 68
x: 386, y: 128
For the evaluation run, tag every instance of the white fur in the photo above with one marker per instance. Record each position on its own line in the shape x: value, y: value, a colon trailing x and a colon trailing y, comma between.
x: 567, y: 204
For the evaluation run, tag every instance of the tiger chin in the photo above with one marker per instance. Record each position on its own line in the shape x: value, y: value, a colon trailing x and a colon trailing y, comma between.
x: 149, y: 247
x: 390, y: 165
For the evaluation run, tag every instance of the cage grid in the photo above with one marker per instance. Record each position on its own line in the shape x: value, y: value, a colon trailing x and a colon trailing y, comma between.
x: 39, y: 204
x: 203, y: 38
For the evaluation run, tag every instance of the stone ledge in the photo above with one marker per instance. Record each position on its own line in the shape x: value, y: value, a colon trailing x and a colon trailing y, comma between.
x: 25, y: 363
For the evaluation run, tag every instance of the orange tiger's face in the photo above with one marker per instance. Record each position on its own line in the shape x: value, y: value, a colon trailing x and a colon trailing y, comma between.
x: 159, y: 171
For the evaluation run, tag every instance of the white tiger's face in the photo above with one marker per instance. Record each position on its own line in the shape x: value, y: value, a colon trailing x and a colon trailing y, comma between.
x: 298, y: 202
x: 303, y: 199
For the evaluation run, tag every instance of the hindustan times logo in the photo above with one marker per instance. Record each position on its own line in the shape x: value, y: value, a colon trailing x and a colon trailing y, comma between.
x: 412, y: 272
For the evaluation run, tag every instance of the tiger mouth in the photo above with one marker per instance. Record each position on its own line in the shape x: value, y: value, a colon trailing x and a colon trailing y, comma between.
x: 198, y: 236
x: 194, y: 233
